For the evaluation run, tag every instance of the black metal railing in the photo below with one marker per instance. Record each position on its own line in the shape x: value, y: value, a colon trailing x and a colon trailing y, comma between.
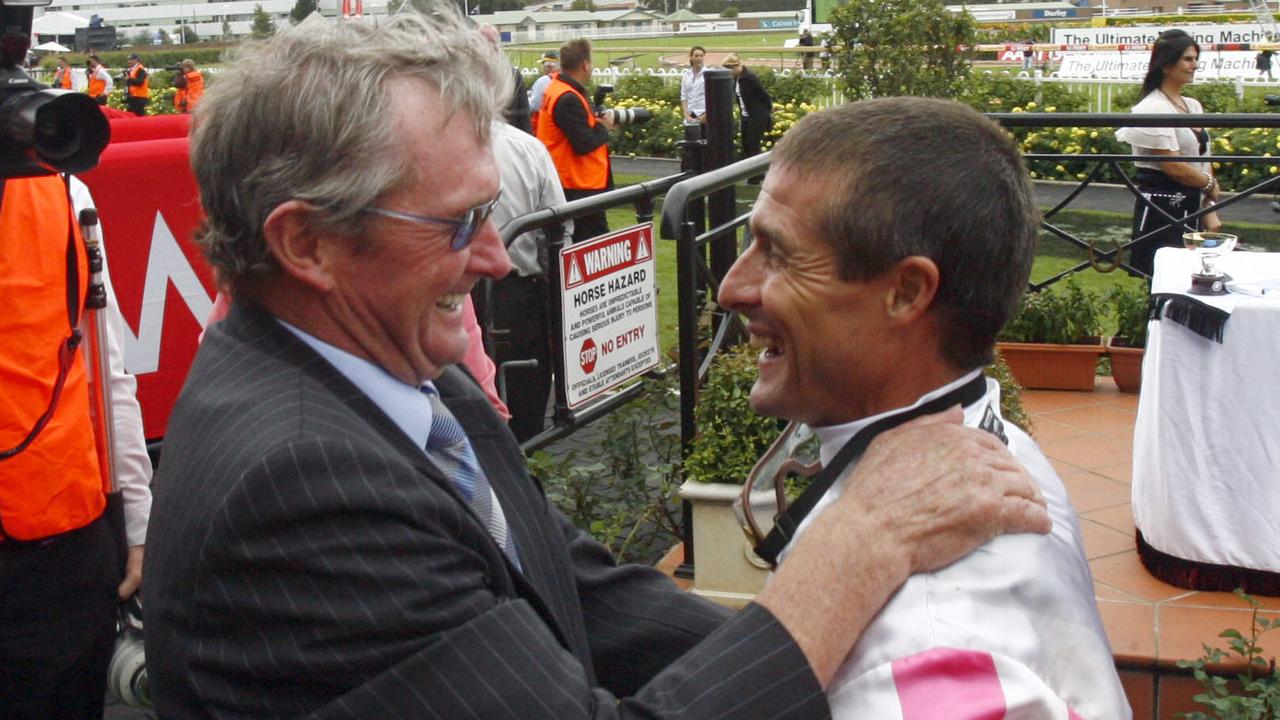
x: 1106, y: 260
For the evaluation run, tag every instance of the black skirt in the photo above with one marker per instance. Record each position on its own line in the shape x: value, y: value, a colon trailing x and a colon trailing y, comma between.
x: 1168, y: 195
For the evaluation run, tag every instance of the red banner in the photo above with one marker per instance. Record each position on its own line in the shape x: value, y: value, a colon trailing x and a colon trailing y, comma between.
x: 149, y: 208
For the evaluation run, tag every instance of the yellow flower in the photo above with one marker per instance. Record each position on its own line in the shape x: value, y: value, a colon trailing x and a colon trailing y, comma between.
x: 1031, y: 105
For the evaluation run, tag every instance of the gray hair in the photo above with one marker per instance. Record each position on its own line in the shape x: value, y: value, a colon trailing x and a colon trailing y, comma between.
x: 306, y: 115
x: 910, y: 176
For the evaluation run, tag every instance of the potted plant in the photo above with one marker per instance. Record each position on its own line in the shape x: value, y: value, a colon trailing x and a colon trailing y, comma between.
x: 1126, y: 347
x: 1053, y: 342
x: 731, y: 437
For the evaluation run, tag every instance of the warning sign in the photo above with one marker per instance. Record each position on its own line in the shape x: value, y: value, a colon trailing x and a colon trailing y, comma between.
x: 609, y: 303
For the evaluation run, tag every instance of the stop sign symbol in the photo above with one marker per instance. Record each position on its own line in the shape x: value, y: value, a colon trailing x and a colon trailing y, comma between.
x: 587, y: 356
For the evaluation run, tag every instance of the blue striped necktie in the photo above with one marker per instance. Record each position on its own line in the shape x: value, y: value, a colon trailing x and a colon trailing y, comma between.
x: 449, y: 449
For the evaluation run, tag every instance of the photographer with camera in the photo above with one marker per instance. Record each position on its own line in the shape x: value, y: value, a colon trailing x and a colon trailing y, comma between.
x: 577, y: 136
x: 70, y: 425
x: 59, y: 563
x: 139, y: 90
x: 190, y: 86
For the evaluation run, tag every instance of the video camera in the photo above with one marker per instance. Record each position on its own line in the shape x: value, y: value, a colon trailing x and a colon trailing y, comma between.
x: 621, y: 116
x: 42, y: 131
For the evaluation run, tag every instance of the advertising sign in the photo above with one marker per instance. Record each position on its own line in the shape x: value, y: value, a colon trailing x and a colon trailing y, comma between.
x: 1205, y: 34
x: 609, y: 305
x: 710, y: 26
x: 1109, y: 65
x: 1054, y: 13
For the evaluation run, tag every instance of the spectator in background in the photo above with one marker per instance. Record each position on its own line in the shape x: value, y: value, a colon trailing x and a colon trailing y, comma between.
x: 517, y: 112
x: 1028, y: 53
x: 1263, y: 63
x: 693, y: 89
x: 100, y: 82
x: 62, y: 76
x: 806, y: 40
x: 1178, y: 188
x: 550, y: 66
x: 190, y: 84
x: 518, y: 305
x: 755, y: 105
x: 139, y: 88
x: 577, y: 140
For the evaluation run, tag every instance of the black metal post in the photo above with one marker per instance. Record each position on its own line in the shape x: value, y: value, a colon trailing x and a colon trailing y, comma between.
x: 722, y: 205
x: 688, y: 298
x: 555, y: 243
x: 695, y: 160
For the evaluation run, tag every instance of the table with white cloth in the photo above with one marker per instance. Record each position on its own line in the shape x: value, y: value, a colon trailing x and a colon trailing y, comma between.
x: 1206, y: 443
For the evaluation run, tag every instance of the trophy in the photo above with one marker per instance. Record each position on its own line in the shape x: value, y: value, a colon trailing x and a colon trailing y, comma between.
x: 1209, y: 245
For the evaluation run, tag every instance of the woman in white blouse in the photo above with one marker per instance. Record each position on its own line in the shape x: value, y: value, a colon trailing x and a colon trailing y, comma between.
x: 1178, y: 188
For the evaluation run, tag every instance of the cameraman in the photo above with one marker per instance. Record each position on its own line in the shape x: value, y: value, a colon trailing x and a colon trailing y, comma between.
x: 576, y: 137
x: 59, y: 565
x: 138, y: 87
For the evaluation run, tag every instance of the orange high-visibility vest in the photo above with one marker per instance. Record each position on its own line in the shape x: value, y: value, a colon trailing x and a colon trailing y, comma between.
x: 577, y: 172
x: 143, y: 90
x: 64, y: 79
x: 195, y: 88
x: 97, y: 86
x: 53, y: 486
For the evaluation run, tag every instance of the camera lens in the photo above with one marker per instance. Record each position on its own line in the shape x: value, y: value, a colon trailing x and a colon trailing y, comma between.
x: 57, y: 128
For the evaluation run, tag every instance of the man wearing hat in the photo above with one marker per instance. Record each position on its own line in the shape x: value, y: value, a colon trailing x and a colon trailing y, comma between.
x: 138, y: 91
x: 550, y: 66
x: 755, y: 104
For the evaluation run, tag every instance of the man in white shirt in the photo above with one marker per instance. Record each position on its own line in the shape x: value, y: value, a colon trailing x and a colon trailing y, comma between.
x: 693, y: 89
x: 879, y: 299
x: 550, y: 66
x: 518, y: 305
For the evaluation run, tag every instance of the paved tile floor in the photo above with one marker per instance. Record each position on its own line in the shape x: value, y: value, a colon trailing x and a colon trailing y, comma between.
x: 1151, y: 625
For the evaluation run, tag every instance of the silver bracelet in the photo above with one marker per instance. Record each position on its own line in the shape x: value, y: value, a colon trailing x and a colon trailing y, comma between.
x: 1209, y: 185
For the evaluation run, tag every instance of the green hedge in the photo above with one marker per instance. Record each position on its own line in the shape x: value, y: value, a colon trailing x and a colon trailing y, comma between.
x: 154, y: 57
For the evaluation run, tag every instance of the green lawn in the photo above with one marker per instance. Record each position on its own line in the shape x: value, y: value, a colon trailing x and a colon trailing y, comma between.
x: 645, y: 52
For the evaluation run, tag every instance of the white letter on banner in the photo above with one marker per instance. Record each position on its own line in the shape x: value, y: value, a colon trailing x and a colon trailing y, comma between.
x: 165, y: 262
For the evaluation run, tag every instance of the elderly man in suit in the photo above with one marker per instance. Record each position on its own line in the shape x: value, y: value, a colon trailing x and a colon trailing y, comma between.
x: 343, y: 526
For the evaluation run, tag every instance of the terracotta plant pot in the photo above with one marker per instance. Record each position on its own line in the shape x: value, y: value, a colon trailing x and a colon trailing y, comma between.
x: 1126, y: 364
x: 1043, y: 366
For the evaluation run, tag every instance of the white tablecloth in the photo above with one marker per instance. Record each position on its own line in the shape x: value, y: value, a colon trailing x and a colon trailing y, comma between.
x: 1206, y: 455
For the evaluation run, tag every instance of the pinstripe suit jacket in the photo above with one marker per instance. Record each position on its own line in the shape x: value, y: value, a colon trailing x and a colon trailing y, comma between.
x: 305, y: 559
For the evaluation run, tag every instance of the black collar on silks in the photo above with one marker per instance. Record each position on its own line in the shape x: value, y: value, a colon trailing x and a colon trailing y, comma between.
x: 786, y: 523
x: 1200, y: 318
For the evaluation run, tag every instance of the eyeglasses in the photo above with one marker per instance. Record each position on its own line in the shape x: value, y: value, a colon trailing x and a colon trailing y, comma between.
x: 464, y: 228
